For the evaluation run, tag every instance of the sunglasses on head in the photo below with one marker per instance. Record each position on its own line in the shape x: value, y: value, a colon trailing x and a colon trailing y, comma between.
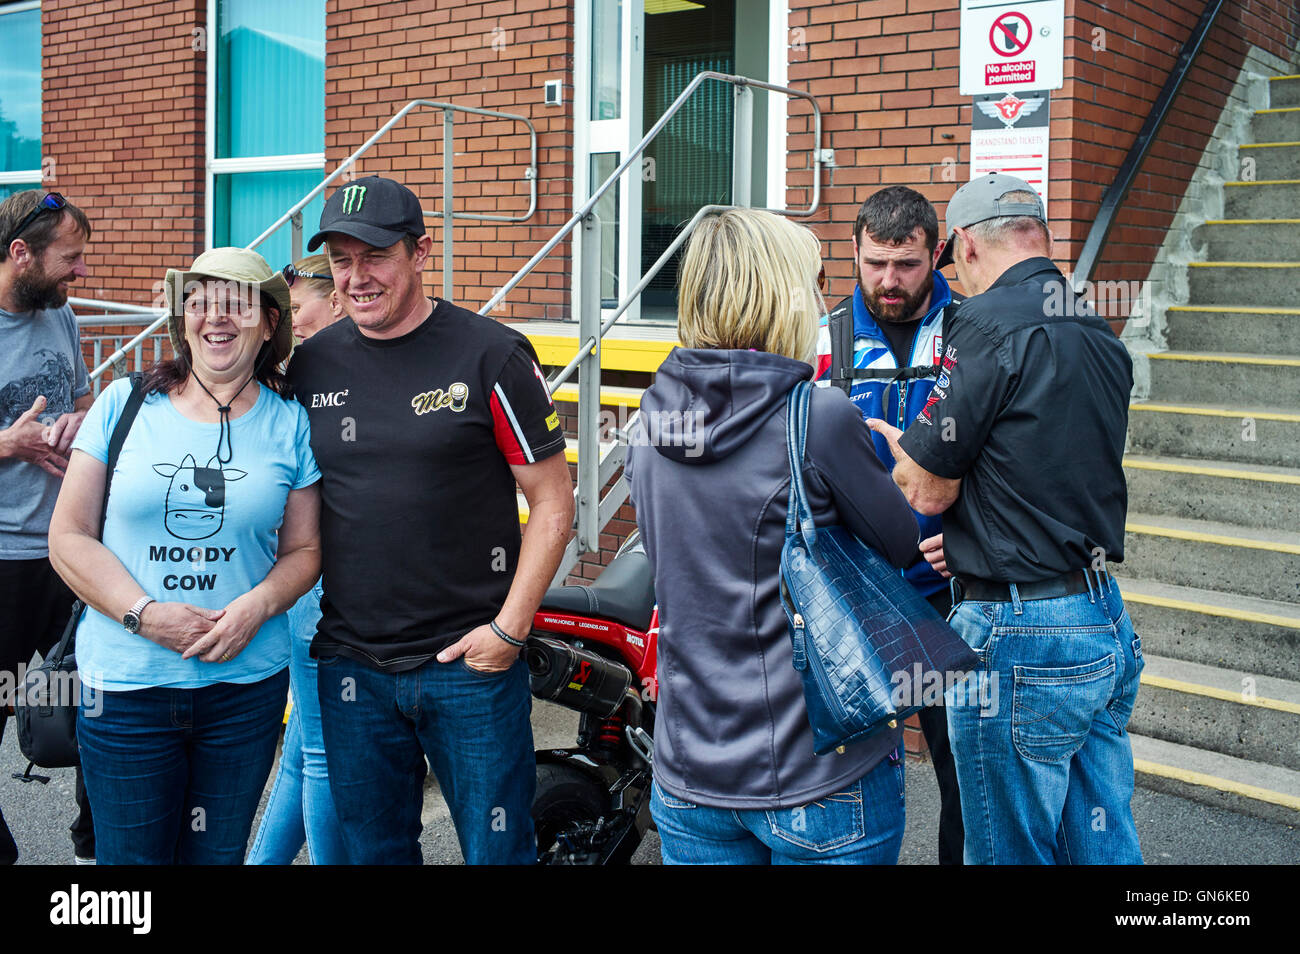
x: 52, y: 201
x: 291, y: 274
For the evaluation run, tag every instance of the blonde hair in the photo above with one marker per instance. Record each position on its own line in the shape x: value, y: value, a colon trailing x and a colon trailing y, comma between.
x: 749, y: 280
x: 317, y: 265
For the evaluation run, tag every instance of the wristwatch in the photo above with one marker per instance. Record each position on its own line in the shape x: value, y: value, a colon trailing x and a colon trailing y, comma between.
x: 132, y: 618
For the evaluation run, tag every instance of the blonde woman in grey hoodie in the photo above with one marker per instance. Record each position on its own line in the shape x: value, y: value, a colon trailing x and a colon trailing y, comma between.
x: 736, y: 780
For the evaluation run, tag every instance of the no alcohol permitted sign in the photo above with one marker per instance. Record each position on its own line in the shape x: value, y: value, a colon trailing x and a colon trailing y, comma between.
x: 1011, y: 45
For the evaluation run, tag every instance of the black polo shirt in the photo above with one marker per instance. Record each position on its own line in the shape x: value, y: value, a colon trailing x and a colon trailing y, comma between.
x: 414, y: 437
x: 1030, y: 413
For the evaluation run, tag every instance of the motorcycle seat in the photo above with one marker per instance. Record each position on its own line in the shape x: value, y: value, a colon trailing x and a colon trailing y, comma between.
x: 624, y: 592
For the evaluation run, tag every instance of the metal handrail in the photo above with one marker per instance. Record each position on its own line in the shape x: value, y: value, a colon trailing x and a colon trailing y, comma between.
x: 1118, y: 191
x: 294, y: 213
x: 691, y: 87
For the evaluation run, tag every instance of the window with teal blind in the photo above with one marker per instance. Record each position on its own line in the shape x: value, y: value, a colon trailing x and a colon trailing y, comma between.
x: 269, y: 119
x: 20, y: 98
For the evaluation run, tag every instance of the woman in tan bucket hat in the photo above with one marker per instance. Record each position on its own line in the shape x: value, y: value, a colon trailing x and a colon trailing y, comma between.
x: 211, y: 535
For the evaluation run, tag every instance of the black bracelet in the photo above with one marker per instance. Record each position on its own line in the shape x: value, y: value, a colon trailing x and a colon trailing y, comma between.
x: 509, y: 639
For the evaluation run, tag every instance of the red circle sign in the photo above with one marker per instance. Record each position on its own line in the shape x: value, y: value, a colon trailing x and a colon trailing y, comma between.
x: 1013, y: 32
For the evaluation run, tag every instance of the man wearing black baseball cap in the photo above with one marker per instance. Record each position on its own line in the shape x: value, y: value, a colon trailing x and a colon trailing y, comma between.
x: 424, y: 416
x: 1020, y: 447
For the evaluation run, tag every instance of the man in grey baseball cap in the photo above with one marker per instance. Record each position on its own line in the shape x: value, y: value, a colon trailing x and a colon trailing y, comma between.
x: 1020, y: 447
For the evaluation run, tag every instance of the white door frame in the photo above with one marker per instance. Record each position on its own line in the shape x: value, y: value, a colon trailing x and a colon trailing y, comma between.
x: 616, y: 135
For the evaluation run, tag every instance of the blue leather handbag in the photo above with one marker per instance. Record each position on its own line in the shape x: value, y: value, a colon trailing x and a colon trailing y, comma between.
x: 869, y: 648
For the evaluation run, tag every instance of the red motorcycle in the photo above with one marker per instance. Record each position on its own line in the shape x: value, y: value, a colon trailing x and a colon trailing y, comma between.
x: 592, y: 649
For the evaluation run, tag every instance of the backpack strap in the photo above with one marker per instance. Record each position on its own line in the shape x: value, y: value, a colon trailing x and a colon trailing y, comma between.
x: 120, y: 430
x: 840, y: 327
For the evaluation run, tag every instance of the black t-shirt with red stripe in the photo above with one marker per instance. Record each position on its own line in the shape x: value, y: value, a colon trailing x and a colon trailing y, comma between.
x: 414, y: 437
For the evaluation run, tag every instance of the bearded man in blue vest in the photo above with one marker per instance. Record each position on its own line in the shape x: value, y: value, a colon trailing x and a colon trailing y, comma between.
x: 883, y: 345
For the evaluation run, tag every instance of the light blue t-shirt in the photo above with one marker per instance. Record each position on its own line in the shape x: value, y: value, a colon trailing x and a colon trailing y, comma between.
x: 191, y: 530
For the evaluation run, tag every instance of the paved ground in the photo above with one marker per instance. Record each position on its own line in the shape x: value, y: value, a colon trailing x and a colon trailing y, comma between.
x: 1172, y: 830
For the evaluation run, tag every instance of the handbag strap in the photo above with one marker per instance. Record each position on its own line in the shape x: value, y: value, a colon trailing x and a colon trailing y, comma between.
x: 798, y: 512
x: 115, y: 442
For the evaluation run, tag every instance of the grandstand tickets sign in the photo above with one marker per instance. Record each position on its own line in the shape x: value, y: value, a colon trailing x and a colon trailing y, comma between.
x: 1008, y: 46
x: 1009, y: 133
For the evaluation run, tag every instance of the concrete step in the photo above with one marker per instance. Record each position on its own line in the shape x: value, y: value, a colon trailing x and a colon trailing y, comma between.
x: 1254, y: 435
x: 1184, y: 377
x: 1259, y: 562
x: 1270, y: 160
x: 1244, y: 283
x: 1262, y: 199
x: 1236, y: 713
x: 1215, y: 629
x: 1251, y: 240
x: 1264, y: 791
x: 1248, y: 329
x: 1213, y: 490
x: 1284, y: 91
x: 1278, y: 124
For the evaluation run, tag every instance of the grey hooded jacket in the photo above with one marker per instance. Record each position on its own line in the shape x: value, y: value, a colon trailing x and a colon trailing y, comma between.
x: 710, y: 481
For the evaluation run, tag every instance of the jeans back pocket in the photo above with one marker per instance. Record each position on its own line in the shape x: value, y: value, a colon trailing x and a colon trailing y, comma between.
x: 1054, y: 708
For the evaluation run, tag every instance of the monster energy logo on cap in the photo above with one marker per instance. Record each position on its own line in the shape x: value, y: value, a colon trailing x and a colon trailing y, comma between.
x: 354, y: 196
x: 373, y: 209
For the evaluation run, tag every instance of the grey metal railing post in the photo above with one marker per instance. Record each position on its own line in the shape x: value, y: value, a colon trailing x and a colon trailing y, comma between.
x: 448, y: 176
x: 742, y: 152
x: 589, y: 387
x: 295, y: 242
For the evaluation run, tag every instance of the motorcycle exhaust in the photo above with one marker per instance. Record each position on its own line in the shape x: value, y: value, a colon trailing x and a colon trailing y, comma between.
x: 580, y: 680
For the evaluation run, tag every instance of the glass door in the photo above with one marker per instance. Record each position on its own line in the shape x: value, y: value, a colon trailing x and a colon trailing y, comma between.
x: 607, y: 112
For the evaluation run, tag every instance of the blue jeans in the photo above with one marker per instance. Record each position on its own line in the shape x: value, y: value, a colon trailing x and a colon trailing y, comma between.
x: 1044, y: 763
x: 474, y: 729
x: 175, y: 775
x: 862, y: 825
x: 301, y: 807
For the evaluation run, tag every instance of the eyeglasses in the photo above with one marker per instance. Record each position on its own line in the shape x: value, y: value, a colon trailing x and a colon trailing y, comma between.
x: 52, y: 201
x: 225, y: 306
x: 291, y: 274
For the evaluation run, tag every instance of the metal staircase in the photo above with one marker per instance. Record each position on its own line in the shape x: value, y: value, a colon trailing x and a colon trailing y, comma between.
x: 1211, y: 573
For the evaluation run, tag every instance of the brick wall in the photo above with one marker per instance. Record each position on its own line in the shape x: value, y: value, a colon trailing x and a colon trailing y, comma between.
x: 123, y: 102
x: 485, y: 55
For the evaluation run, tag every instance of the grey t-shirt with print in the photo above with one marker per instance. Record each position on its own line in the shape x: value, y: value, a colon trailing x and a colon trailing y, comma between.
x: 40, y: 353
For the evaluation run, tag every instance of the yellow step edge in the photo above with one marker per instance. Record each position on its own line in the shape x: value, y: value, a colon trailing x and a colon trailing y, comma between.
x: 616, y: 354
x: 1217, y: 412
x: 1243, y: 264
x: 1212, y: 471
x: 569, y: 392
x: 1209, y: 609
x: 1259, y: 182
x: 1243, y: 309
x: 1196, y: 536
x: 1289, y: 76
x: 1266, y: 145
x: 1280, y: 109
x: 1221, y: 784
x: 1213, y: 692
x: 1224, y: 359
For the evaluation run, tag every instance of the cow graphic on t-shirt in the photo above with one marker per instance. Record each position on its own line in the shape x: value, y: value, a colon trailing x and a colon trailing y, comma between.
x: 196, y: 497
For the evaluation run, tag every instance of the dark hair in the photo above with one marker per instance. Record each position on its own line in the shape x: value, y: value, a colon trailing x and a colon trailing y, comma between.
x: 41, y: 230
x: 167, y: 375
x: 894, y: 213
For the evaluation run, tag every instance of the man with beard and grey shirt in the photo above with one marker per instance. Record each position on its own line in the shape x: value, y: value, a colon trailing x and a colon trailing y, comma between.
x: 44, y: 394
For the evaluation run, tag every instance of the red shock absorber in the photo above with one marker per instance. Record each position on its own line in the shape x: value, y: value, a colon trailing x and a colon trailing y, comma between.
x: 611, y: 731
